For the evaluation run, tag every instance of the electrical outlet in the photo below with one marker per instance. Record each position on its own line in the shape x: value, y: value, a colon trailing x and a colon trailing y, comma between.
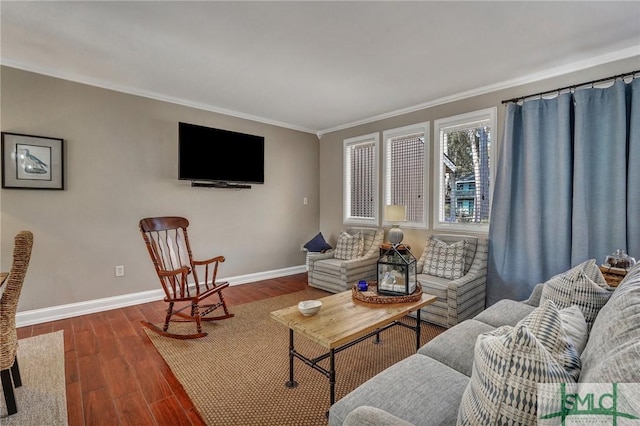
x: 119, y: 271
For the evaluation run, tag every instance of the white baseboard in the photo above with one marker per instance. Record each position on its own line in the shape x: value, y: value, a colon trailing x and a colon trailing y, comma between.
x: 38, y: 316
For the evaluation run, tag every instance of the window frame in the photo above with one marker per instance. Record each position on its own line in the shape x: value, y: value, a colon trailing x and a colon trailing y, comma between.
x: 347, y: 219
x: 438, y: 127
x: 423, y: 128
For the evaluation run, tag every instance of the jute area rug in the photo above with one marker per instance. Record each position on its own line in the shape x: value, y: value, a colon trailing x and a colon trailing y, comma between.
x: 42, y: 397
x: 236, y: 375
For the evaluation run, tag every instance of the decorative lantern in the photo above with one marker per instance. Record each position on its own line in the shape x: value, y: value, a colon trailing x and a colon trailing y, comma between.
x: 396, y: 272
x: 620, y: 259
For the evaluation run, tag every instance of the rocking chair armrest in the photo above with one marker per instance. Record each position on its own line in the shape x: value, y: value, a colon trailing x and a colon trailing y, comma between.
x: 180, y: 271
x: 217, y: 288
x: 208, y: 261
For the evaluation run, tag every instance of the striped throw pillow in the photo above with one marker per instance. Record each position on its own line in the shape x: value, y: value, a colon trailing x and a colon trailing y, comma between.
x: 445, y: 260
x: 510, y: 362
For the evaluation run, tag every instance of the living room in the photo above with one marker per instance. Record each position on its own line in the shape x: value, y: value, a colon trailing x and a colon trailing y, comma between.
x: 120, y: 165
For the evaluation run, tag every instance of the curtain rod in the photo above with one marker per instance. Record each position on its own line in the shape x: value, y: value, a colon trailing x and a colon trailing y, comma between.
x: 548, y: 92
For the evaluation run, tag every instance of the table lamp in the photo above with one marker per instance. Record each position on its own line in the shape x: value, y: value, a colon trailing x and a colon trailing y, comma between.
x: 395, y: 213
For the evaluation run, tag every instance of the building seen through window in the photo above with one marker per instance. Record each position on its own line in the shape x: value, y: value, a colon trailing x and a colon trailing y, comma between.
x: 465, y: 172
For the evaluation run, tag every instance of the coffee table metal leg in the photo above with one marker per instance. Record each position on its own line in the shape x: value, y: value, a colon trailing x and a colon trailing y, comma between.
x: 418, y: 323
x: 332, y: 376
x: 291, y: 383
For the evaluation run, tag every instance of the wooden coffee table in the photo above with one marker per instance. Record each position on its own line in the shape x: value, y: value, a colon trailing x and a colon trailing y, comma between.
x: 341, y: 323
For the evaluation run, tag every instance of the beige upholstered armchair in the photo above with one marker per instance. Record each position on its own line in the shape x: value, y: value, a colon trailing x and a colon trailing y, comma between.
x: 455, y: 272
x: 338, y: 269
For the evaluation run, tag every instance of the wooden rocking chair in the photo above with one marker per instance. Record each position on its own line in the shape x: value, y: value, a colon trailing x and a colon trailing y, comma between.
x: 168, y: 245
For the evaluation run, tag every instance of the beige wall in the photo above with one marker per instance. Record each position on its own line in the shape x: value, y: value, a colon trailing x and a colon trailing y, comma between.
x: 121, y: 165
x: 331, y: 144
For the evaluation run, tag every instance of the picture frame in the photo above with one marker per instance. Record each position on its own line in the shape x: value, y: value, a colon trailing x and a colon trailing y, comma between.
x: 32, y: 162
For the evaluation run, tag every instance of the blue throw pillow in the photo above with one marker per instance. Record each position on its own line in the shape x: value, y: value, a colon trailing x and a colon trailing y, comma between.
x: 317, y: 243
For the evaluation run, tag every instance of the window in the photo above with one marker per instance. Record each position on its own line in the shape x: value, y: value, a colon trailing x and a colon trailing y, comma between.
x: 361, y: 180
x: 464, y: 160
x: 405, y: 172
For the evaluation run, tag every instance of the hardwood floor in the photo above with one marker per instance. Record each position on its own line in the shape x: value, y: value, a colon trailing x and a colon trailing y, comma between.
x: 114, y: 374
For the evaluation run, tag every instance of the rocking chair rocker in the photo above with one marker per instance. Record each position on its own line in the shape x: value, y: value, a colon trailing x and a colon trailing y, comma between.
x: 168, y: 245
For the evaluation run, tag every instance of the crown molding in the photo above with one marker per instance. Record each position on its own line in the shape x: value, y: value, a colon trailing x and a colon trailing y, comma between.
x: 51, y: 72
x: 531, y: 78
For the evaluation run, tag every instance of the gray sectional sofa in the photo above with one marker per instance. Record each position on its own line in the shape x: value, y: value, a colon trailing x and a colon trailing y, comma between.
x: 426, y: 388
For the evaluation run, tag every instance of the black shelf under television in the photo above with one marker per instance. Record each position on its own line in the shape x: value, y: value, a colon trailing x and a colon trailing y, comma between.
x: 220, y: 185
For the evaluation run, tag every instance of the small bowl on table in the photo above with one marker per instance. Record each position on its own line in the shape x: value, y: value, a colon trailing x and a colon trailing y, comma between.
x: 309, y: 307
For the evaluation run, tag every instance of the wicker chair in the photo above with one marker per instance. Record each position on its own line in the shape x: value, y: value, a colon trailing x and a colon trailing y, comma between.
x: 460, y: 298
x: 8, y: 307
x: 168, y: 245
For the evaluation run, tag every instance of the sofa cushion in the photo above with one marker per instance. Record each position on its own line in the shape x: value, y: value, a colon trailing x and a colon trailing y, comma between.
x: 412, y: 390
x: 317, y: 244
x: 445, y: 260
x: 508, y: 364
x: 455, y: 347
x: 612, y: 353
x: 504, y: 312
x: 372, y: 416
x: 349, y: 246
x: 584, y: 286
x: 434, y: 286
x: 331, y: 266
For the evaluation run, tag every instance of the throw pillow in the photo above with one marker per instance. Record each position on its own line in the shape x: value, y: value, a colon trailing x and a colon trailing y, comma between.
x: 317, y: 244
x: 445, y: 260
x: 574, y: 324
x: 510, y: 362
x: 584, y: 286
x: 349, y: 246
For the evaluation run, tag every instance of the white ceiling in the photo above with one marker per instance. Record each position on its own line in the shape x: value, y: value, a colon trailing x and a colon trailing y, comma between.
x: 314, y: 66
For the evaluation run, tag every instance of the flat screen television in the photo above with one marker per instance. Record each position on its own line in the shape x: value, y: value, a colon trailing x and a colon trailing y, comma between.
x: 206, y: 154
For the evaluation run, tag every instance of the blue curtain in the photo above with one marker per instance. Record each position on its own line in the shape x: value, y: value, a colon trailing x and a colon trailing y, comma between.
x: 567, y: 186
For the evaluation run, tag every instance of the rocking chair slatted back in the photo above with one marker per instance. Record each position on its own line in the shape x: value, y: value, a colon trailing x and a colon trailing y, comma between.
x: 168, y: 246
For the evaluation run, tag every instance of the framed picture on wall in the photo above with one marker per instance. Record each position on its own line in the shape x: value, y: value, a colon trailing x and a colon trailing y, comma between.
x: 32, y: 162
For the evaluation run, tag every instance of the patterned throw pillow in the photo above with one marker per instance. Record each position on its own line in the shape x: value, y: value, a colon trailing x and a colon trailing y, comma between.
x: 510, y: 362
x: 584, y: 286
x: 444, y: 260
x: 349, y: 246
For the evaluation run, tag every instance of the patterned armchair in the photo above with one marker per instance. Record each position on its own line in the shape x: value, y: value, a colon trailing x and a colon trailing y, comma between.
x: 457, y: 298
x: 329, y: 272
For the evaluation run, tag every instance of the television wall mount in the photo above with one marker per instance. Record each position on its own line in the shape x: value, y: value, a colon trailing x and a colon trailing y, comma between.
x: 226, y: 185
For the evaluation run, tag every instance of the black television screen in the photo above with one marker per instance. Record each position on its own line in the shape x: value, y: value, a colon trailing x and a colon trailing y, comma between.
x: 216, y: 155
